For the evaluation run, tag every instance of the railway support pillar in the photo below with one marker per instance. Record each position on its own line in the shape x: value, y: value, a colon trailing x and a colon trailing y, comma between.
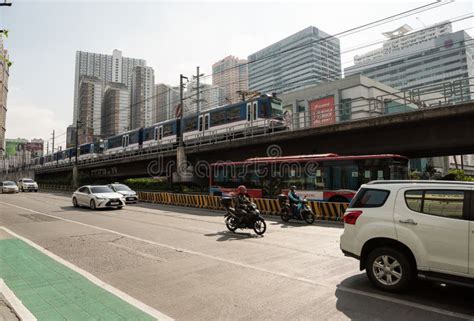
x: 183, y: 172
x: 75, y: 183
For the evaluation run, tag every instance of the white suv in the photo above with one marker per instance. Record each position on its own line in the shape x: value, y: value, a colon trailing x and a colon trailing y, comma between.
x: 27, y: 184
x: 403, y: 229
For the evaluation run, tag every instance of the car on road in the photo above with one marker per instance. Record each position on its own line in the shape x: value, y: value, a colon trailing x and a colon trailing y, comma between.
x: 8, y: 187
x: 27, y: 184
x: 400, y: 230
x: 97, y: 196
x: 130, y: 195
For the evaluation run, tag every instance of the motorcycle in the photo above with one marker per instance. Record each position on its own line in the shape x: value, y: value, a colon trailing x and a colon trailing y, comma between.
x: 304, y: 213
x: 251, y: 217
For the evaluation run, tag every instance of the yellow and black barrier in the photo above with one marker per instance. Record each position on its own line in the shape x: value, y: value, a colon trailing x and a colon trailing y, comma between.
x: 328, y: 211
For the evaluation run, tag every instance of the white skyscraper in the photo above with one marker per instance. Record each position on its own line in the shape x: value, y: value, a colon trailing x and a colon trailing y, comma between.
x: 143, y: 83
x: 107, y: 68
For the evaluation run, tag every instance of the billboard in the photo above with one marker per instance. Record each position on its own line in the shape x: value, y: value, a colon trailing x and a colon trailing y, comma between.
x: 323, y: 111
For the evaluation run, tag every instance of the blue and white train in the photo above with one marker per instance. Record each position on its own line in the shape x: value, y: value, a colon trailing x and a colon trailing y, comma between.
x: 252, y: 115
x: 255, y: 115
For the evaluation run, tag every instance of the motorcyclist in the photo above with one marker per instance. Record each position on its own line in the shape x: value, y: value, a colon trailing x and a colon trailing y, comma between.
x: 295, y: 200
x: 242, y: 201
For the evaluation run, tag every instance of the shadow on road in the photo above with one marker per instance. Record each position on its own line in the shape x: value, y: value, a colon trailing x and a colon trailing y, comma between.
x: 231, y: 236
x: 359, y: 300
x: 295, y: 223
x: 83, y: 209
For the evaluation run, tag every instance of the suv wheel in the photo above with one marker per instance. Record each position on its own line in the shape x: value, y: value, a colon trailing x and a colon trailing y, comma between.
x: 389, y: 269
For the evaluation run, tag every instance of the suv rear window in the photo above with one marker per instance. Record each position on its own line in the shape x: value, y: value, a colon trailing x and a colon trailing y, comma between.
x: 367, y: 198
x: 446, y: 203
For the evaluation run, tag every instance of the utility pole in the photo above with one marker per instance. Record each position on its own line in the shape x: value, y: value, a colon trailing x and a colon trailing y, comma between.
x: 198, y: 88
x: 52, y: 149
x: 180, y: 112
x: 74, y: 168
x: 47, y: 147
x: 76, y: 143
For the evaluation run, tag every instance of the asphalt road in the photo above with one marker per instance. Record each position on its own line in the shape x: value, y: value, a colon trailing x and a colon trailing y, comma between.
x: 184, y: 263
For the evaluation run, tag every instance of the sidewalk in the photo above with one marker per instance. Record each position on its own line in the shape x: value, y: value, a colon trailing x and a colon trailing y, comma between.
x: 52, y: 291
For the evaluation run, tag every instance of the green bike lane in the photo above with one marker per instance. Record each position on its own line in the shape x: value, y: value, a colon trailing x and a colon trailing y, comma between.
x: 52, y: 291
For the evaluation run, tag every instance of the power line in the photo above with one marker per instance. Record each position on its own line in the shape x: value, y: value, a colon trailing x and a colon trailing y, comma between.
x: 372, y: 24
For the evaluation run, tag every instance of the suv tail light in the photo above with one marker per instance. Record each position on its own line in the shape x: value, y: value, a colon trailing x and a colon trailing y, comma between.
x: 351, y: 217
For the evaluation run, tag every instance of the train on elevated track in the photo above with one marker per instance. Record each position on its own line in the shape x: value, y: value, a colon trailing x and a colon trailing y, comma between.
x: 257, y: 115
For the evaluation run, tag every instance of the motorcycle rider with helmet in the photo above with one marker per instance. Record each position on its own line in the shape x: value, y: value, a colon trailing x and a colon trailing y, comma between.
x: 295, y: 200
x: 243, y: 200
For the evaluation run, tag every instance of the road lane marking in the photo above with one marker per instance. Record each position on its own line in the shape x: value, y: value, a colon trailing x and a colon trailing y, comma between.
x: 122, y: 295
x: 15, y: 303
x: 255, y: 268
x: 407, y: 303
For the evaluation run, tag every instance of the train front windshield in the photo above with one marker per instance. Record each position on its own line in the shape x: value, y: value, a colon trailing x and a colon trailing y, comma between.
x: 277, y: 109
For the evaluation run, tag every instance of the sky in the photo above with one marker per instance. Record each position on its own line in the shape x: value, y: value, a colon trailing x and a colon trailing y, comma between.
x: 173, y: 37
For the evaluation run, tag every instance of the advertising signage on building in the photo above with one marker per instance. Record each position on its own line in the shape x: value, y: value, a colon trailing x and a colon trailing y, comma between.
x: 323, y: 111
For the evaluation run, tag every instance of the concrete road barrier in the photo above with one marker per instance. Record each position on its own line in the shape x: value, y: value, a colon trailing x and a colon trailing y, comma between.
x: 330, y: 211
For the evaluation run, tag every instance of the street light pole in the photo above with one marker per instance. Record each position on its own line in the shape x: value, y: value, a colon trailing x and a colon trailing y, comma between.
x: 77, y: 139
x: 181, y: 111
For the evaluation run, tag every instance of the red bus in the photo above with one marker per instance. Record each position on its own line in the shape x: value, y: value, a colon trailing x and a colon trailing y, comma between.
x: 322, y: 177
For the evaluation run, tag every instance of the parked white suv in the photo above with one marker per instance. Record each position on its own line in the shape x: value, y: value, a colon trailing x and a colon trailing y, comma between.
x: 27, y: 184
x: 400, y: 230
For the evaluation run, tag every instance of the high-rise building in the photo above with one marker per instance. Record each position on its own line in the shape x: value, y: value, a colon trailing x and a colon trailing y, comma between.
x: 71, y: 136
x: 3, y: 95
x: 231, y: 74
x: 210, y: 96
x: 115, y: 109
x: 307, y: 57
x: 107, y: 68
x: 166, y: 98
x: 423, y: 58
x: 89, y: 108
x: 143, y: 83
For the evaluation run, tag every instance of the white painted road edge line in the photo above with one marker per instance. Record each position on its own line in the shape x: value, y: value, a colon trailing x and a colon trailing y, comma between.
x: 309, y: 281
x: 15, y: 303
x: 407, y: 303
x: 127, y: 298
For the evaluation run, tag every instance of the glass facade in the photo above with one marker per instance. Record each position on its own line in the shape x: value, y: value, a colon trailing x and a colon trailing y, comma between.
x: 306, y: 58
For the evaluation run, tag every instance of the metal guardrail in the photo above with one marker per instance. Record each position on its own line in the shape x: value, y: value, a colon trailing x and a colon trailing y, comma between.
x: 329, y: 211
x: 423, y: 97
x: 55, y: 188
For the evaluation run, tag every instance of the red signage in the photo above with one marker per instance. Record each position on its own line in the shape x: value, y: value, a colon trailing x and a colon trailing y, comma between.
x: 323, y: 111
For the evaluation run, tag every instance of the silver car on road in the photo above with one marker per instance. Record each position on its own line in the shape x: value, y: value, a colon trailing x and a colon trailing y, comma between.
x: 130, y: 195
x: 97, y: 196
x: 8, y: 187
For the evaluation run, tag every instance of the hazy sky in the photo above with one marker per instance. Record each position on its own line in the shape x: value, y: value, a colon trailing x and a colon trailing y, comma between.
x: 174, y: 37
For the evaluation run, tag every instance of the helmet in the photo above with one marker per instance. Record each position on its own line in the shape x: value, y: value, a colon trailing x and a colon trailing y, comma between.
x: 293, y: 187
x: 242, y: 189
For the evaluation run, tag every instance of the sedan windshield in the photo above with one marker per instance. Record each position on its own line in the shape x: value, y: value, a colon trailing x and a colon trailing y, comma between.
x: 119, y: 188
x: 101, y: 189
x: 8, y: 183
x: 28, y: 181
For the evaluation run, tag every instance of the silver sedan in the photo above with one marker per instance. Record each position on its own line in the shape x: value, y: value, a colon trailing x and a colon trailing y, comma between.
x: 97, y: 196
x: 8, y: 187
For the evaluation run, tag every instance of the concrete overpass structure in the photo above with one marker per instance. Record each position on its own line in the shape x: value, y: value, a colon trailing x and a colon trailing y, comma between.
x: 425, y: 132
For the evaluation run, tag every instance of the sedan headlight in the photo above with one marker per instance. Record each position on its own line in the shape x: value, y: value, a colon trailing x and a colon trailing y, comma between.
x: 100, y: 198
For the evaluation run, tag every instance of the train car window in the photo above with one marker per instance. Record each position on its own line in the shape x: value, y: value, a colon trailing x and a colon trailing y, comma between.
x: 218, y: 118
x: 255, y: 111
x: 149, y: 134
x: 249, y: 109
x: 133, y: 137
x: 167, y: 130
x: 233, y: 114
x: 190, y: 125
